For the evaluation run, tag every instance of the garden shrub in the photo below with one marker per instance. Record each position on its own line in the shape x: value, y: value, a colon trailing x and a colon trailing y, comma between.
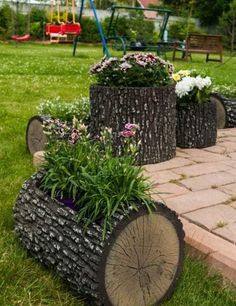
x: 79, y: 108
x: 89, y: 33
x: 180, y: 29
x: 6, y: 26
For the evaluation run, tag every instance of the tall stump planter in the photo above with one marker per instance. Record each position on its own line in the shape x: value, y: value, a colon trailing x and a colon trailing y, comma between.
x: 196, y: 125
x: 153, y: 109
x: 138, y: 263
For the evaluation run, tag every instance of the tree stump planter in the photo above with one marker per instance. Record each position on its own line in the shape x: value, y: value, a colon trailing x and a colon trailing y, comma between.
x: 138, y: 263
x: 196, y: 125
x: 225, y: 110
x: 153, y: 109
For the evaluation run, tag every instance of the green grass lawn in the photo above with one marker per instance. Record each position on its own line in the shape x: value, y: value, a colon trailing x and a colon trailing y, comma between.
x: 30, y: 73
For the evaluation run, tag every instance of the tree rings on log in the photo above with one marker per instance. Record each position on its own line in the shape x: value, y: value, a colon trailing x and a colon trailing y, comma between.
x: 35, y: 138
x: 143, y: 259
x: 225, y: 110
x: 153, y: 109
x: 196, y: 125
x: 138, y: 263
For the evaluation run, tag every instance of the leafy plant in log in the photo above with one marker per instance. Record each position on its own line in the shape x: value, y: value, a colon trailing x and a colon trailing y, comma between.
x: 133, y: 70
x: 80, y: 108
x: 86, y: 170
x: 192, y: 87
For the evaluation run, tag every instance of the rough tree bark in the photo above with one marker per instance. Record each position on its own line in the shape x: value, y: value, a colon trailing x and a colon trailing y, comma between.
x: 138, y: 264
x: 196, y: 125
x: 153, y: 109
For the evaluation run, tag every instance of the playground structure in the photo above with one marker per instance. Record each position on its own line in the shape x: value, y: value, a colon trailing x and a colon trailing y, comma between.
x: 120, y: 42
x: 25, y: 37
x: 62, y: 29
x: 124, y: 44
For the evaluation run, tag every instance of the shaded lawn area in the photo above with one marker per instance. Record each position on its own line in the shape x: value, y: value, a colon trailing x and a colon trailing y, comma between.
x: 29, y: 74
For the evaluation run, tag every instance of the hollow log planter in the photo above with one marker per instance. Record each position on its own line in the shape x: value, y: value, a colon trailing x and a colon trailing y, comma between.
x: 225, y: 111
x: 153, y: 109
x: 35, y: 138
x: 196, y: 125
x: 138, y: 263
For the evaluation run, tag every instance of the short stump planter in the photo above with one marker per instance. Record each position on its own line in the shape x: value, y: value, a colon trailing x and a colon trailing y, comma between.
x: 225, y: 110
x: 138, y: 263
x: 196, y: 125
x: 153, y: 109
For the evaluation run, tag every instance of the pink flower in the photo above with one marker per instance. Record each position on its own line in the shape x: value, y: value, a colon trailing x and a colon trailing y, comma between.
x: 127, y: 133
x: 74, y: 136
x: 131, y: 126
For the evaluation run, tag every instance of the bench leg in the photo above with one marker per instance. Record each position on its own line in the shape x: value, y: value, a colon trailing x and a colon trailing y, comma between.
x: 207, y: 57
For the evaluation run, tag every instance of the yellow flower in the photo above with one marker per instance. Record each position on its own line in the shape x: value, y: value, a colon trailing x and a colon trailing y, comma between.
x: 176, y: 77
x: 184, y: 72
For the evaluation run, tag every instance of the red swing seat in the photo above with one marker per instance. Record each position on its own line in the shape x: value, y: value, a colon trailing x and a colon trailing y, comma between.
x: 21, y: 38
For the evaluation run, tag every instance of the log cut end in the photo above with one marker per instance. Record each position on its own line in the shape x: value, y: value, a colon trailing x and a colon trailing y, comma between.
x: 35, y: 138
x: 144, y: 260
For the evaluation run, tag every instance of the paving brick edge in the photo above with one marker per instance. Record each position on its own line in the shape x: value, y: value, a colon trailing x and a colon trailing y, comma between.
x: 219, y: 254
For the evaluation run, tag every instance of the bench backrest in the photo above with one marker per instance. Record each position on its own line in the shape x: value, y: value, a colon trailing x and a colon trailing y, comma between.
x: 204, y: 42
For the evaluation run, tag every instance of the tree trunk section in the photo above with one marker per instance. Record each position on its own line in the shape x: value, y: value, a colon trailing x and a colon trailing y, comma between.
x: 153, y: 109
x: 196, y: 125
x: 138, y: 263
x: 226, y: 111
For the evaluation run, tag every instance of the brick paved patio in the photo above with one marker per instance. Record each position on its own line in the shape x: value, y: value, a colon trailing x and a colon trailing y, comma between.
x: 200, y: 185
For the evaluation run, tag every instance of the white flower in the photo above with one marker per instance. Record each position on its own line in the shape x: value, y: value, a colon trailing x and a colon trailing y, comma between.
x: 185, y: 86
x: 124, y: 66
x: 202, y: 82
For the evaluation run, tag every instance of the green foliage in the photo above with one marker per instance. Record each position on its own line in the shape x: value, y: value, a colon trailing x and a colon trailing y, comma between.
x: 180, y: 29
x: 37, y: 29
x: 86, y: 171
x: 6, y: 26
x: 209, y: 11
x: 57, y: 108
x: 227, y: 26
x: 133, y: 70
x: 37, y: 14
x: 133, y: 27
x: 225, y: 90
x: 89, y: 32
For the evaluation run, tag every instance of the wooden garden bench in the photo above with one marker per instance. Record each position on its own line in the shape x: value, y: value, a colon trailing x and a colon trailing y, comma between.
x: 198, y: 43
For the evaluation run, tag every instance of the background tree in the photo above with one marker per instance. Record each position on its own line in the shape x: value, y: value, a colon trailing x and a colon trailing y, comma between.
x: 210, y: 11
x: 228, y: 26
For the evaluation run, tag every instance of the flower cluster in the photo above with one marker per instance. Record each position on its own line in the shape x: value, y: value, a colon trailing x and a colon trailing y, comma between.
x: 180, y: 75
x: 135, y: 70
x: 57, y: 108
x: 129, y: 131
x: 192, y: 88
x: 56, y: 130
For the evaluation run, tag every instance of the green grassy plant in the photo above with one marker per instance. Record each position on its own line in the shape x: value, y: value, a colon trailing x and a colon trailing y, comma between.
x: 29, y: 74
